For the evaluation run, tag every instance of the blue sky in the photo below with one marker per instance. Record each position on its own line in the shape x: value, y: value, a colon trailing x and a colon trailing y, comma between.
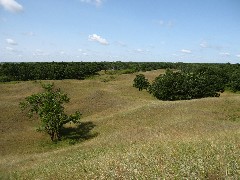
x: 120, y: 30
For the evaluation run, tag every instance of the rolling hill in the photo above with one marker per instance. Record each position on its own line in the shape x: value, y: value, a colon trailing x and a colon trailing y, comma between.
x: 128, y: 134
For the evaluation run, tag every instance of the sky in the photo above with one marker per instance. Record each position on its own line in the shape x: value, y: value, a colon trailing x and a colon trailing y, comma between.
x: 206, y: 31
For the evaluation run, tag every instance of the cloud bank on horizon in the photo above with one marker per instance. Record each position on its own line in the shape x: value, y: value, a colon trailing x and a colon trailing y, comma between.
x: 147, y: 30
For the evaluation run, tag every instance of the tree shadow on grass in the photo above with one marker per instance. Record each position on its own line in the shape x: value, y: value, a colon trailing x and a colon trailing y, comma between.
x: 79, y: 133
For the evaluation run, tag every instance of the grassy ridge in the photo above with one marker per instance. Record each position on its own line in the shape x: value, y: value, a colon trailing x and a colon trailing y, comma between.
x: 138, y: 136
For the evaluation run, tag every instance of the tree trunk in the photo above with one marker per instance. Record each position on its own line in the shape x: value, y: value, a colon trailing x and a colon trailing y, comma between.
x: 58, y: 136
x: 52, y: 136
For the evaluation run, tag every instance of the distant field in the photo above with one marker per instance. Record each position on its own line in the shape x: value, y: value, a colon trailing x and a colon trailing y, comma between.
x: 135, y: 136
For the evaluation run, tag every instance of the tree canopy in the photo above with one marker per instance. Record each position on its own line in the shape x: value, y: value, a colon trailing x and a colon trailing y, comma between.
x: 141, y: 82
x: 183, y: 86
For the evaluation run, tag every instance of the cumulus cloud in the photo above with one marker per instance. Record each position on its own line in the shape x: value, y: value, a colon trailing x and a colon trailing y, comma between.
x: 11, y: 5
x: 11, y: 42
x: 99, y: 39
x: 238, y: 55
x: 186, y: 51
x: 95, y: 2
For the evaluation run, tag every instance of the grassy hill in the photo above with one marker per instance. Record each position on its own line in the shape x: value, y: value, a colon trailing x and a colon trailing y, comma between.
x: 128, y: 134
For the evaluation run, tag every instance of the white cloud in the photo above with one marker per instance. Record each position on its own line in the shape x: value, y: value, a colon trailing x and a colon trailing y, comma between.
x: 204, y: 44
x: 225, y: 54
x: 95, y: 2
x: 95, y: 37
x: 186, y: 51
x: 238, y: 55
x: 141, y: 51
x: 11, y: 5
x: 11, y: 42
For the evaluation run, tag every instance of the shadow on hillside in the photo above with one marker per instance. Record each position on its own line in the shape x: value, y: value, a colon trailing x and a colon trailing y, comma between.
x: 80, y: 133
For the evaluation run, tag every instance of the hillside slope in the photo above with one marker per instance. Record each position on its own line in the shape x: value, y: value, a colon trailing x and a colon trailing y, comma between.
x: 135, y: 135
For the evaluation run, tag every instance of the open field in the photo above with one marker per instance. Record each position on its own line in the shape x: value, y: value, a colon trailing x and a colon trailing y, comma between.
x: 135, y: 136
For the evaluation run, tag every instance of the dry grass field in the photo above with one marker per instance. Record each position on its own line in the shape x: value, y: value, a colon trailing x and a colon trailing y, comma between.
x: 132, y: 135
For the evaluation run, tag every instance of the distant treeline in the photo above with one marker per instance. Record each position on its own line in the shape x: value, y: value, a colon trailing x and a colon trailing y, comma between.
x: 228, y: 73
x: 70, y: 70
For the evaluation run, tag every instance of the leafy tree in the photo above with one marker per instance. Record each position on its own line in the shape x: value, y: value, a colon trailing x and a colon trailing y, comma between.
x: 179, y: 85
x: 234, y: 83
x: 170, y: 86
x: 141, y: 82
x: 48, y: 105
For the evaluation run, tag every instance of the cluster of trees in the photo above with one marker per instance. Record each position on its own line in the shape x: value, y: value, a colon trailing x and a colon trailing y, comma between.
x: 228, y: 73
x: 197, y: 82
x: 180, y: 86
x: 70, y: 70
x: 41, y: 71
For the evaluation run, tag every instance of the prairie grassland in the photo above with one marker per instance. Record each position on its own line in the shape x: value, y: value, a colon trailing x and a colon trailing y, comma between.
x: 138, y: 136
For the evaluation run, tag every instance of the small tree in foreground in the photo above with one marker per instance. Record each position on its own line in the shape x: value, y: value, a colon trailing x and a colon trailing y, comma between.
x: 141, y: 82
x: 48, y: 105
